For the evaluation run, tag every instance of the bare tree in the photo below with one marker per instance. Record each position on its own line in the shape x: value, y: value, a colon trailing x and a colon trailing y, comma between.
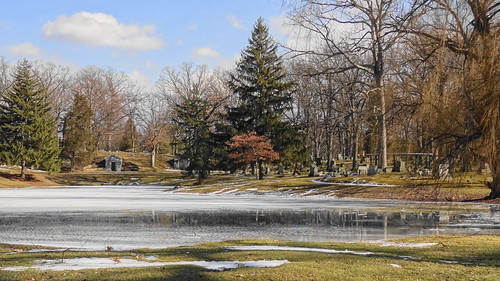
x: 332, y: 105
x: 153, y: 121
x: 195, y: 95
x: 464, y: 39
x: 362, y: 32
x: 56, y: 80
x: 112, y: 97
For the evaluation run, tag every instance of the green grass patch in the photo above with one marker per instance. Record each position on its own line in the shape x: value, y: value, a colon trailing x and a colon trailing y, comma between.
x: 480, y: 252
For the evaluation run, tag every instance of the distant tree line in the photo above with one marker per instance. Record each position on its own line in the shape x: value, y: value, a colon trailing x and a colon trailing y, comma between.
x: 364, y: 77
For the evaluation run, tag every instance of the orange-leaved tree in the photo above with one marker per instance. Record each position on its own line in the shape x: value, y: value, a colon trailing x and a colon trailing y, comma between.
x: 251, y: 148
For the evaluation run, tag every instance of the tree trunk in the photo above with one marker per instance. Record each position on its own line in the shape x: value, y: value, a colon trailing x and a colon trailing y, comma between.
x: 153, y: 157
x: 355, y: 149
x: 202, y: 174
x: 23, y: 168
x: 495, y: 185
x: 382, y: 145
x: 260, y: 172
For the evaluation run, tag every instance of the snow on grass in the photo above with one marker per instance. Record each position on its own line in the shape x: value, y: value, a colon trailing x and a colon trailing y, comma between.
x: 355, y: 183
x: 309, y: 192
x: 100, y: 263
x: 407, y: 245
x: 296, y: 249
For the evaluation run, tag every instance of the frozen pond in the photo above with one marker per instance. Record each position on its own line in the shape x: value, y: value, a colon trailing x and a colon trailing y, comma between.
x: 127, y: 217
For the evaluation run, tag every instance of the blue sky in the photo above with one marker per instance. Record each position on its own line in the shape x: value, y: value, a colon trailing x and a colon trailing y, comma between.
x: 135, y: 37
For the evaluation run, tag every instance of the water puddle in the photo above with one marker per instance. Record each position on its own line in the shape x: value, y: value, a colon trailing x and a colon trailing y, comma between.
x: 101, y: 263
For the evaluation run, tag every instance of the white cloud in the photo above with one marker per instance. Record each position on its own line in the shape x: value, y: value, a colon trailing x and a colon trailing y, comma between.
x: 296, y: 37
x: 193, y: 27
x: 280, y: 24
x: 205, y: 52
x: 98, y: 29
x: 235, y: 22
x: 229, y: 63
x: 141, y: 79
x: 23, y: 50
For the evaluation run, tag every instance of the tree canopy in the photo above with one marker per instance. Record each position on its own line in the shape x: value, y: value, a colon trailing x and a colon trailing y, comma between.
x: 252, y: 148
x: 27, y: 127
x: 263, y: 91
x: 78, y: 141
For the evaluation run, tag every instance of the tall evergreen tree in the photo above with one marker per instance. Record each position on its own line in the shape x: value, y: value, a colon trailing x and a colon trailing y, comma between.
x: 78, y: 141
x: 264, y: 93
x: 193, y: 118
x: 28, y: 129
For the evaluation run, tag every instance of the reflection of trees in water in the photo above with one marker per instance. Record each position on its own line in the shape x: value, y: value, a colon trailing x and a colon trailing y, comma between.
x: 259, y: 218
x: 339, y: 218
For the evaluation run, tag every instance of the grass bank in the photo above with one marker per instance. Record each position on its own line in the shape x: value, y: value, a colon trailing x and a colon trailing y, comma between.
x: 467, y: 187
x: 451, y: 258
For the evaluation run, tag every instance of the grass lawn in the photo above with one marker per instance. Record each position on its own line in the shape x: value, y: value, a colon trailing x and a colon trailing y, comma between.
x: 467, y: 187
x: 468, y: 258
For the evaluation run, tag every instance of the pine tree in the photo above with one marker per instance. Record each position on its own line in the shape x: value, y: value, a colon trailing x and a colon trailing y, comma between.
x: 264, y: 94
x: 193, y: 118
x: 28, y: 130
x: 130, y: 136
x: 78, y: 141
x: 259, y: 83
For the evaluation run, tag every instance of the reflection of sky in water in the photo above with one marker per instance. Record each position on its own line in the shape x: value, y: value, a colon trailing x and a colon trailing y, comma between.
x: 156, y: 229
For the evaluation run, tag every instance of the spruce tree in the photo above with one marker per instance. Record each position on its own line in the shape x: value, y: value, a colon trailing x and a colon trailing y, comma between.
x: 193, y: 118
x: 264, y: 94
x: 28, y: 130
x: 78, y: 141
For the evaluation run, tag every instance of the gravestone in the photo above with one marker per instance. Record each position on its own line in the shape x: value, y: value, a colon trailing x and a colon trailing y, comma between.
x: 362, y: 170
x: 443, y: 172
x: 280, y: 170
x: 318, y: 161
x: 398, y: 166
x: 341, y: 169
x: 484, y: 168
x: 313, y: 170
x: 372, y: 170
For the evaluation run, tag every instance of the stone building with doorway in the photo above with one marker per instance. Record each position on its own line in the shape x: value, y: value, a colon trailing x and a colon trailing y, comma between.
x: 113, y: 163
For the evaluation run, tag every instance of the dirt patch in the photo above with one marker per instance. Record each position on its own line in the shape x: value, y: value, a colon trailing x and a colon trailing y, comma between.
x: 486, y: 201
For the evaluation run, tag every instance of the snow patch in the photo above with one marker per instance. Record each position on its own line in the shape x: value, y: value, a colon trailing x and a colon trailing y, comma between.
x: 312, y: 191
x: 408, y: 245
x: 100, y: 263
x: 354, y: 183
x: 296, y: 249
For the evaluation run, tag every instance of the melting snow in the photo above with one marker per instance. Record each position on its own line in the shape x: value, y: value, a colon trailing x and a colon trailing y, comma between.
x: 298, y: 249
x: 407, y: 245
x: 99, y: 263
x: 354, y: 183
